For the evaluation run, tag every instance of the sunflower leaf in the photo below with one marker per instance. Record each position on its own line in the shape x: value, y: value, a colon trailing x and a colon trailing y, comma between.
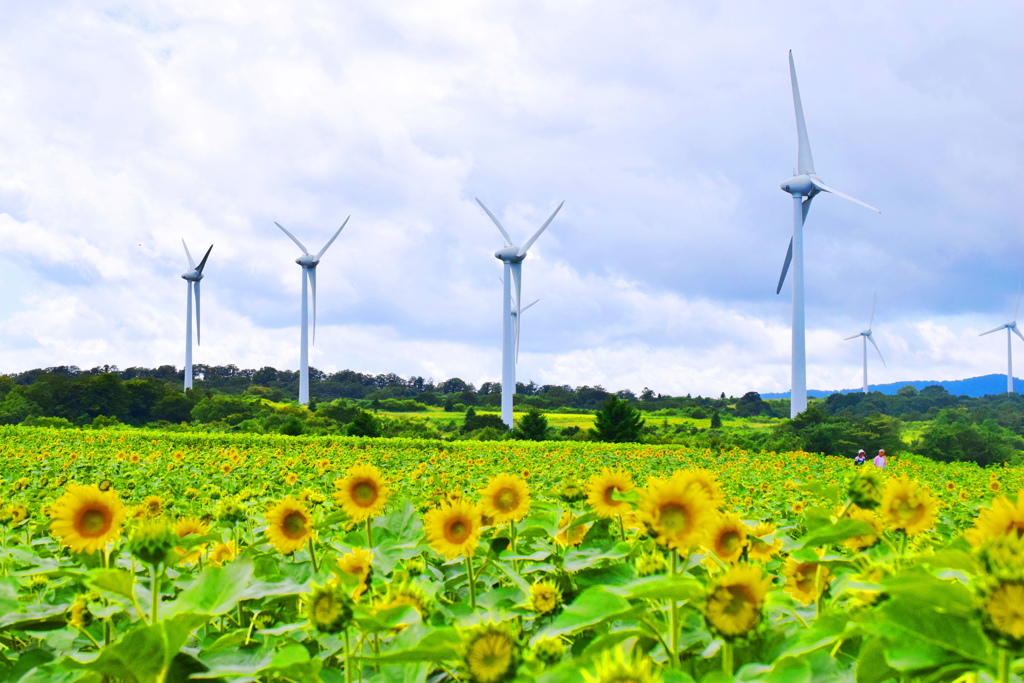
x: 116, y: 581
x: 217, y: 591
x: 827, y: 534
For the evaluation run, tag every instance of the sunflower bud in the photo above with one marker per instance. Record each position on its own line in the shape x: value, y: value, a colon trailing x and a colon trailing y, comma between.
x: 328, y: 609
x: 865, y: 489
x: 549, y: 650
x: 230, y: 510
x: 152, y: 540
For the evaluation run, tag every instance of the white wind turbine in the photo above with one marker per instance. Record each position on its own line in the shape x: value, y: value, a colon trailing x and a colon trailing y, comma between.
x: 866, y: 337
x: 512, y: 257
x: 1010, y: 327
x: 803, y: 187
x: 309, y: 262
x: 192, y: 277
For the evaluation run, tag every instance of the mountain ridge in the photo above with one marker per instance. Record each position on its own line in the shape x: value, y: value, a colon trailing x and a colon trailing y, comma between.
x: 975, y: 387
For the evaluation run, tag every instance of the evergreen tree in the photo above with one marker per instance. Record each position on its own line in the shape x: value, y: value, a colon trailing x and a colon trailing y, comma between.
x: 618, y: 422
x: 532, y: 426
x: 716, y: 420
x: 364, y: 424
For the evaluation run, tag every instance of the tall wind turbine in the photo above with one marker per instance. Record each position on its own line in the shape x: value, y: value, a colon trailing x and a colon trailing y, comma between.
x: 193, y: 277
x: 1010, y: 327
x: 866, y: 337
x: 803, y: 187
x: 512, y: 257
x: 309, y: 262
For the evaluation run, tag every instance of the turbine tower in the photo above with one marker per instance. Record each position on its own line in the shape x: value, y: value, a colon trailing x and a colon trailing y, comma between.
x: 512, y: 258
x: 1010, y: 327
x: 192, y: 277
x: 803, y: 187
x: 309, y: 262
x: 866, y: 335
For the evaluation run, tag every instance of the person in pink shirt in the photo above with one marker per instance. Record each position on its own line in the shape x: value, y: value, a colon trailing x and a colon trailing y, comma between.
x: 880, y: 459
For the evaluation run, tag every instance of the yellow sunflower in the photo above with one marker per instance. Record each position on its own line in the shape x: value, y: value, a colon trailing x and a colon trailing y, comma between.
x: 573, y: 536
x: 907, y: 506
x: 1002, y: 519
x: 187, y: 526
x: 85, y: 519
x: 1004, y: 611
x: 405, y: 594
x: 603, y: 488
x: 545, y: 597
x: 153, y: 506
x: 726, y: 537
x: 676, y: 511
x: 806, y: 581
x: 490, y: 653
x: 505, y: 499
x: 735, y: 603
x: 358, y: 564
x: 289, y: 526
x: 222, y: 552
x: 362, y: 492
x: 864, y: 541
x: 760, y: 550
x: 453, y: 529
x: 615, y: 666
x: 706, y: 480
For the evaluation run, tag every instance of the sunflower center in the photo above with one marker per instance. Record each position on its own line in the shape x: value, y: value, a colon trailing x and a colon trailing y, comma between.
x: 907, y: 512
x: 507, y: 500
x: 364, y: 493
x: 609, y: 494
x: 294, y: 525
x: 729, y: 542
x: 325, y: 610
x: 674, y: 517
x: 739, y: 600
x: 93, y: 522
x: 458, y: 530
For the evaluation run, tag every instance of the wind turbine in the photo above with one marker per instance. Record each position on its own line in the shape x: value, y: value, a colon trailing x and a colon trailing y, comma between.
x: 193, y: 277
x: 309, y: 262
x: 512, y: 257
x: 866, y: 335
x: 803, y: 187
x: 1010, y: 327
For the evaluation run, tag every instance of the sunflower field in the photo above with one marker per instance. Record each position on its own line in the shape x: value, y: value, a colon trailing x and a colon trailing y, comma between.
x: 144, y: 556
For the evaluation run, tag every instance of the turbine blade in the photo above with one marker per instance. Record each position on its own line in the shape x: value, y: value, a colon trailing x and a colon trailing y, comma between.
x: 804, y: 162
x: 994, y: 330
x: 871, y: 320
x: 517, y: 335
x: 535, y: 301
x: 311, y: 273
x: 876, y: 348
x: 529, y: 242
x: 853, y: 337
x: 825, y: 188
x: 202, y: 264
x: 1017, y: 332
x: 191, y: 263
x: 1015, y: 308
x: 517, y: 281
x: 805, y: 207
x: 508, y: 240
x: 195, y: 291
x: 300, y: 245
x: 331, y: 241
x: 785, y: 266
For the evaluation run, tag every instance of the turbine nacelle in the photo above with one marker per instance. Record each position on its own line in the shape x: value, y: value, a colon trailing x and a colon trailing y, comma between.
x: 509, y: 254
x: 192, y: 276
x: 307, y: 261
x: 800, y: 186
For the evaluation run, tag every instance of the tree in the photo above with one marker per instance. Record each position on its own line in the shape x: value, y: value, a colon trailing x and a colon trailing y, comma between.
x: 716, y: 420
x: 532, y: 426
x: 618, y: 422
x: 364, y: 424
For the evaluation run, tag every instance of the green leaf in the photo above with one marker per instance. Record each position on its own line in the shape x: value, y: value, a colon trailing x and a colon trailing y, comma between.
x: 292, y: 661
x: 35, y: 618
x: 217, y: 591
x: 116, y: 581
x: 871, y: 665
x: 591, y: 607
x: 663, y: 587
x: 419, y: 643
x: 827, y: 534
x: 576, y: 560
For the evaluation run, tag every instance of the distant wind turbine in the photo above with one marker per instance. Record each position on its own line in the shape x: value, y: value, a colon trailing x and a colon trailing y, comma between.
x: 512, y: 257
x: 866, y: 337
x: 193, y: 277
x: 309, y: 262
x: 803, y: 187
x: 1010, y: 327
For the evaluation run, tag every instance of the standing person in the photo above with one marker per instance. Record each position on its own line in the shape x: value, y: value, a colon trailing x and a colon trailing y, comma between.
x: 880, y: 459
x: 861, y: 458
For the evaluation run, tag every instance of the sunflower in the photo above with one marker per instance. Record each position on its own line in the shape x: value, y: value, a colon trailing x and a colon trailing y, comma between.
x: 362, y: 493
x: 760, y: 550
x: 1004, y: 612
x: 358, y: 564
x: 505, y: 499
x: 864, y: 541
x: 222, y: 552
x: 806, y: 581
x: 569, y: 535
x: 726, y: 537
x: 187, y: 526
x: 1002, y: 519
x: 907, y: 506
x: 490, y: 653
x: 615, y: 667
x: 676, y: 511
x: 405, y: 594
x: 328, y: 609
x: 706, y: 480
x: 453, y: 529
x: 289, y: 526
x: 735, y: 603
x: 545, y: 597
x: 152, y: 506
x: 603, y: 488
x: 86, y: 519
x: 549, y: 650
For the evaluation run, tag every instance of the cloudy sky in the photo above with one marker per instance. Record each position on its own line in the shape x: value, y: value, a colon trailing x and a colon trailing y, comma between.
x: 665, y: 126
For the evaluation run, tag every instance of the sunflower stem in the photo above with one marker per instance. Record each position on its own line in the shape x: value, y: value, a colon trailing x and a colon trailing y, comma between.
x: 1003, y: 673
x: 673, y: 635
x: 472, y: 582
x: 81, y: 629
x: 312, y: 555
x: 348, y: 659
x: 727, y: 660
x: 155, y: 590
x: 369, y: 533
x: 622, y: 528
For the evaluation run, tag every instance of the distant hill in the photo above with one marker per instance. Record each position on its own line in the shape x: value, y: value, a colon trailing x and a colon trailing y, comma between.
x: 974, y: 387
